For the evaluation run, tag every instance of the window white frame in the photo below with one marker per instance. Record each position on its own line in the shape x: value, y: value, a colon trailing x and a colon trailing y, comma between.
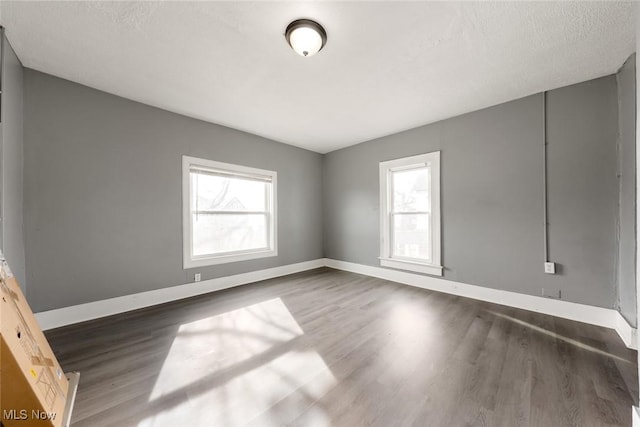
x: 191, y: 261
x: 432, y: 161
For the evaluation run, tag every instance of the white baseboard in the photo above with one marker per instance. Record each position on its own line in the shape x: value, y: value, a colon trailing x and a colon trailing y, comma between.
x: 94, y: 310
x: 599, y: 316
x: 635, y: 416
x: 628, y: 333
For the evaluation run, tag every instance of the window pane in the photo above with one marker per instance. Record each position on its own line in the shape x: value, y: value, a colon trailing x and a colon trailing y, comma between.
x: 211, y: 192
x: 411, y: 190
x: 219, y: 233
x: 411, y: 237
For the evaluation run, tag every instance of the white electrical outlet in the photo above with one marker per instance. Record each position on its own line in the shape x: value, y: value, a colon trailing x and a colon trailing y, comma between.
x: 197, y: 277
x: 553, y: 294
x: 550, y: 267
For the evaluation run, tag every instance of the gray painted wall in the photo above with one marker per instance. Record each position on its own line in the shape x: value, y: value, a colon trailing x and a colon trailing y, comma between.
x: 103, y: 196
x: 626, y: 79
x: 12, y: 144
x: 103, y: 193
x: 492, y: 198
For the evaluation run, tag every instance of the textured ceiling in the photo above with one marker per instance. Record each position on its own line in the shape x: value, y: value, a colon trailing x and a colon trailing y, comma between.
x: 387, y: 66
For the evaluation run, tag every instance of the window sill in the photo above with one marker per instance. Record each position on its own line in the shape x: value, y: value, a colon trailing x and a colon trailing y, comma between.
x: 224, y: 259
x: 434, y: 270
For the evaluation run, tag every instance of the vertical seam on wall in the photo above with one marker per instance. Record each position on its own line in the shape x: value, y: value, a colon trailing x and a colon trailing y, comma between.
x: 1, y: 69
x: 323, y: 216
x: 545, y: 195
x: 635, y: 182
x: 2, y: 102
x: 616, y: 269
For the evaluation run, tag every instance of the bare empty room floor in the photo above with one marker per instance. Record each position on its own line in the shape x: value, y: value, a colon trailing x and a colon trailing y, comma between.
x: 326, y: 347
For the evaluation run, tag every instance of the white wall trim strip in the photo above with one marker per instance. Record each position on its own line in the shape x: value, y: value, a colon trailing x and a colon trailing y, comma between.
x: 94, y: 310
x: 598, y: 316
x: 635, y: 416
x: 628, y: 333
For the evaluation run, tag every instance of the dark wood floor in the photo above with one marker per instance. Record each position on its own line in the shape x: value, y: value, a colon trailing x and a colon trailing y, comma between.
x: 326, y: 347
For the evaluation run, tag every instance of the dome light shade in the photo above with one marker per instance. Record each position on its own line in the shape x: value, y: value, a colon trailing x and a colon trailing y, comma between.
x: 306, y: 37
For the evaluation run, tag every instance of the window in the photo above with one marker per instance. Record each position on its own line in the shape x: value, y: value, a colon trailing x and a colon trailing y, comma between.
x: 410, y: 213
x: 229, y: 212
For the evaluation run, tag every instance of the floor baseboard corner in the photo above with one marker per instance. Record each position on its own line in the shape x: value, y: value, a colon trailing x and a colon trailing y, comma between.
x: 628, y: 333
x: 599, y: 316
x: 93, y: 310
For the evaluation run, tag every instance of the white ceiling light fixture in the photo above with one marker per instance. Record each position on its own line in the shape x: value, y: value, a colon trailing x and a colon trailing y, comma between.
x: 306, y: 37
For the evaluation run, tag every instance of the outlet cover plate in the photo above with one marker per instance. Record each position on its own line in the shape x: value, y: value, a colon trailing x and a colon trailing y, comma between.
x: 550, y: 267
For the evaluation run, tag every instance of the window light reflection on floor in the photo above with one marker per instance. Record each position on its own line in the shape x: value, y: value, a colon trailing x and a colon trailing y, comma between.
x: 411, y: 335
x: 567, y: 340
x: 230, y: 368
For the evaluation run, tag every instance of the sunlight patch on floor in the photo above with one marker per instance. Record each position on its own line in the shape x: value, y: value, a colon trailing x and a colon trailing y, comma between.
x: 561, y: 337
x: 230, y: 368
x: 247, y: 396
x: 410, y: 335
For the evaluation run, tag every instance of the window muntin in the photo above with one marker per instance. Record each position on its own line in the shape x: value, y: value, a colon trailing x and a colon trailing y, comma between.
x: 230, y: 215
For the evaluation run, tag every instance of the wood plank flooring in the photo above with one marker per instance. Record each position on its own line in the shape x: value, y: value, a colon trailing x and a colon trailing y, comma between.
x: 331, y: 348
